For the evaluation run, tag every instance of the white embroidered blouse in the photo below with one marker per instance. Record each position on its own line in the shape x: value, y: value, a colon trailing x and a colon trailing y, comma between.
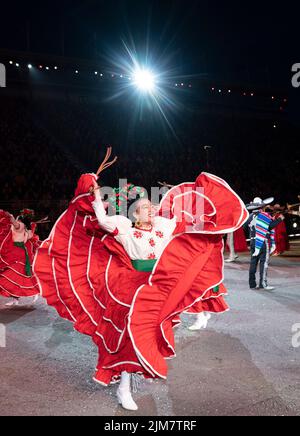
x: 139, y: 244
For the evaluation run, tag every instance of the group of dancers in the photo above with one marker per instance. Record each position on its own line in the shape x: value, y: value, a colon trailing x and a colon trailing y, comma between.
x: 125, y: 282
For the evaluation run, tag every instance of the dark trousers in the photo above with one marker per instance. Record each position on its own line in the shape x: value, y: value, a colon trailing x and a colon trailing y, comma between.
x: 263, y: 260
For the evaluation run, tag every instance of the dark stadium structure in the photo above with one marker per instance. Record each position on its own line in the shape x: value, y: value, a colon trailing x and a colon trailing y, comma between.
x: 56, y: 123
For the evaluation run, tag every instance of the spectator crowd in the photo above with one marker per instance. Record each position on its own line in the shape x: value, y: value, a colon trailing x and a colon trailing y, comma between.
x: 45, y: 145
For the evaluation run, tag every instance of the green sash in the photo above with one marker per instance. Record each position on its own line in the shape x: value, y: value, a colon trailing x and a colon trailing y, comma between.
x: 148, y: 265
x: 144, y: 265
x: 27, y: 261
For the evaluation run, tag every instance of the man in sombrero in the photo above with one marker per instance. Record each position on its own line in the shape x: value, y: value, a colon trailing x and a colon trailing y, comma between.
x: 262, y: 241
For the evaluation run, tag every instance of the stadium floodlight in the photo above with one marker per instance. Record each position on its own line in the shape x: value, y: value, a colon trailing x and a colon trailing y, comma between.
x: 144, y: 80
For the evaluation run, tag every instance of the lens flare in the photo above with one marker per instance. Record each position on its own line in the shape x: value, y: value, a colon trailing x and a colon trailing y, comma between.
x: 144, y: 80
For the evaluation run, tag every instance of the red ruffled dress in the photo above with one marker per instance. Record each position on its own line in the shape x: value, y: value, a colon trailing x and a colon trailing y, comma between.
x: 88, y: 276
x: 16, y: 278
x: 239, y: 240
x: 240, y: 243
x: 281, y: 236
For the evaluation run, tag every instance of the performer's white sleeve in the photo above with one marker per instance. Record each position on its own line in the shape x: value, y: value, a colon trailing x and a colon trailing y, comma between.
x: 113, y: 223
x: 165, y: 223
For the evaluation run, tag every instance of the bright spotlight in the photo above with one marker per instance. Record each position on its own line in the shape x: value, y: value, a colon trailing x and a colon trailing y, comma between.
x: 11, y: 62
x: 17, y: 65
x: 29, y: 66
x: 144, y: 80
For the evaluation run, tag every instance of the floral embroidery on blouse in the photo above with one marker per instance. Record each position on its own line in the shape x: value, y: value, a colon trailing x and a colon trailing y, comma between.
x: 138, y: 234
x: 152, y: 256
x: 159, y: 234
x: 152, y: 242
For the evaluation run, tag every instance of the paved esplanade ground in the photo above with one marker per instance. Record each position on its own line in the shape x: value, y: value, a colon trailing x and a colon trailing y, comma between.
x: 243, y: 364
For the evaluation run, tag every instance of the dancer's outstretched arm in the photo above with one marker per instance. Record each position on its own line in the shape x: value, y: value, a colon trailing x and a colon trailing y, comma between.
x: 111, y: 224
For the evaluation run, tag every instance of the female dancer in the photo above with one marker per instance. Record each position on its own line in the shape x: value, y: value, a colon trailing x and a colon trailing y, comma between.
x: 281, y: 236
x: 126, y: 285
x: 18, y: 243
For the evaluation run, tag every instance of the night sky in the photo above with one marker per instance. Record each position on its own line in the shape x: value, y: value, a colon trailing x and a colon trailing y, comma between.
x: 244, y: 42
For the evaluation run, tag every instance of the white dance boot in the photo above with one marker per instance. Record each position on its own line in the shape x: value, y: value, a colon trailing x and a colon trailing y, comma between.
x: 12, y: 302
x: 124, y: 394
x: 35, y: 299
x: 201, y: 321
x: 232, y: 258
